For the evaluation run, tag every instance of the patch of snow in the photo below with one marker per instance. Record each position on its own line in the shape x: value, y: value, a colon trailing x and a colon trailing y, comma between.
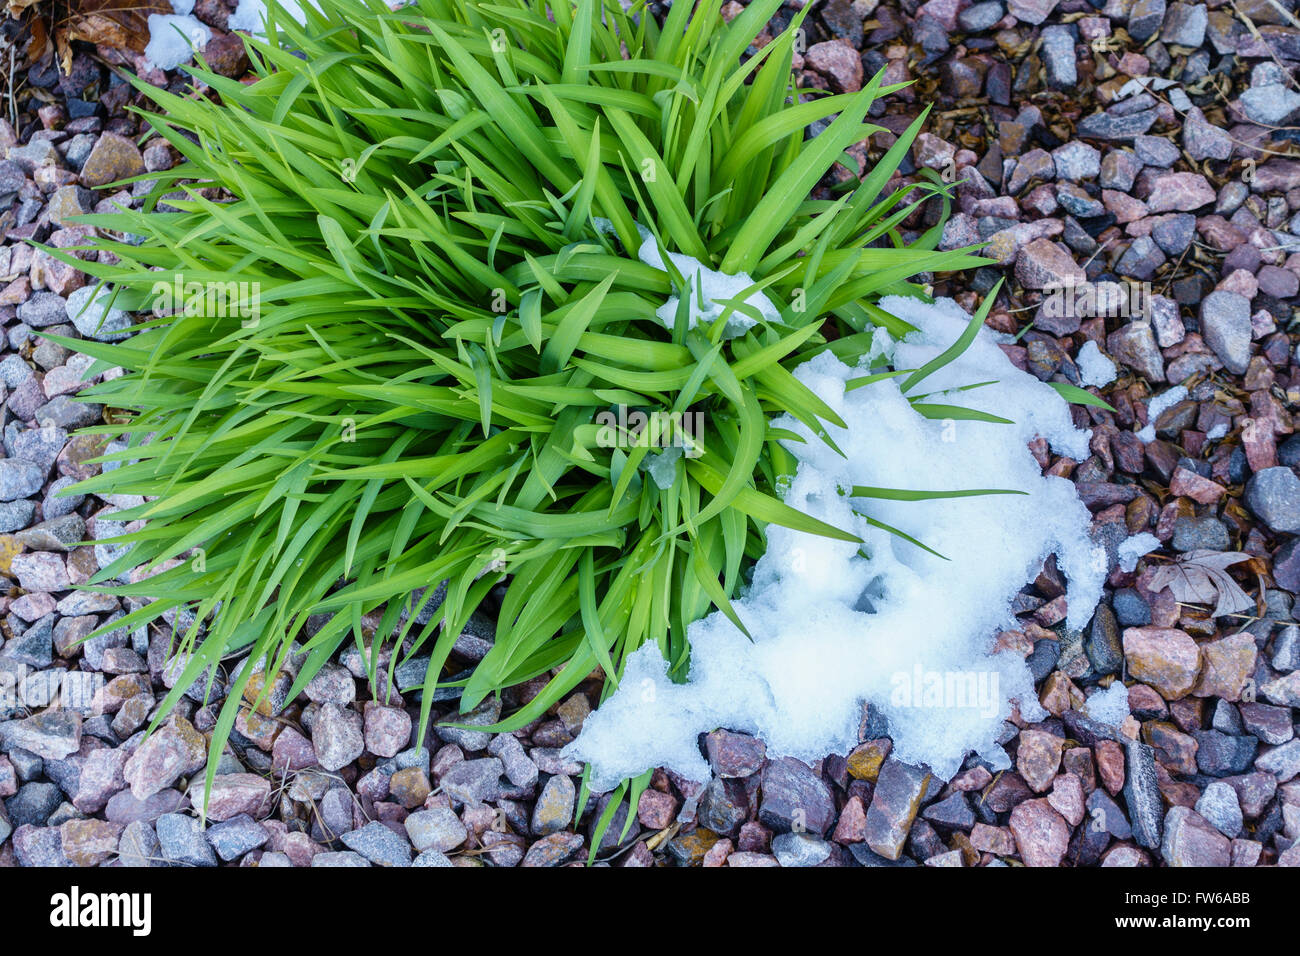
x: 836, y: 624
x: 1094, y: 368
x: 173, y: 38
x: 705, y: 287
x: 1109, y: 706
x: 1130, y: 549
x: 250, y: 15
x: 705, y: 290
x: 1156, y: 407
x: 662, y: 466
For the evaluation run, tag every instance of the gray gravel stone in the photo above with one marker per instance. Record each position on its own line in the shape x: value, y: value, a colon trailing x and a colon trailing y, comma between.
x: 1273, y: 496
x: 1219, y: 754
x: 182, y: 842
x: 1195, y: 534
x: 1142, y: 794
x: 800, y: 849
x: 1145, y: 17
x: 1141, y: 259
x: 431, y: 858
x: 1155, y: 150
x: 473, y: 781
x: 1058, y: 56
x: 1173, y: 232
x: 794, y: 796
x: 1202, y: 140
x: 1221, y: 808
x: 378, y: 844
x: 93, y: 317
x: 239, y: 835
x: 42, y: 310
x: 51, y: 734
x: 1225, y: 324
x: 1185, y: 25
x: 336, y: 736
x: 34, y: 646
x: 472, y: 741
x: 33, y: 804
x: 341, y: 858
x: 1270, y: 104
x: 436, y: 829
x: 1076, y: 161
x: 19, y: 479
x: 139, y: 846
x: 1286, y: 649
x: 1282, y: 762
x: 980, y: 16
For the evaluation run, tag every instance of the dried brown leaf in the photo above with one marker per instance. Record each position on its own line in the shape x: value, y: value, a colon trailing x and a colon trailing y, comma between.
x: 123, y: 24
x: 1201, y: 577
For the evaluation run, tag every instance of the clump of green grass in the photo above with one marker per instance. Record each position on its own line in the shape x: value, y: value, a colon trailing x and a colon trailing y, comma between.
x: 420, y: 199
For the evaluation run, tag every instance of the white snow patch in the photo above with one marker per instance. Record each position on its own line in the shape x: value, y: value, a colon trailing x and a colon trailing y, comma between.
x: 833, y: 629
x: 1094, y: 368
x: 1156, y: 407
x: 662, y: 466
x: 173, y: 38
x: 705, y: 290
x: 1130, y: 549
x: 1109, y: 706
x: 250, y: 15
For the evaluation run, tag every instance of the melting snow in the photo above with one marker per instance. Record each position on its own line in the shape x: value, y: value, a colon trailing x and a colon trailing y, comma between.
x: 1094, y: 368
x: 1156, y: 407
x: 901, y: 628
x: 1109, y: 706
x: 173, y: 38
x: 706, y: 289
x: 1130, y: 549
x: 250, y: 15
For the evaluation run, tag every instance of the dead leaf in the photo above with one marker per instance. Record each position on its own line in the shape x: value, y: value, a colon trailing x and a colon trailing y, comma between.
x: 1201, y: 577
x: 18, y: 6
x: 40, y: 40
x: 123, y: 24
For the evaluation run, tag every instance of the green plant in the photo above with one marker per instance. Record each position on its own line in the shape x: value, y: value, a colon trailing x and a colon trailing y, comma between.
x: 420, y: 199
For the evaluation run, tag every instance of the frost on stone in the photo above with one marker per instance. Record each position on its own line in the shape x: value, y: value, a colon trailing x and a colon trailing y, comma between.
x: 835, y: 624
x: 1109, y: 706
x: 1157, y: 407
x: 1094, y: 368
x: 1132, y: 548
